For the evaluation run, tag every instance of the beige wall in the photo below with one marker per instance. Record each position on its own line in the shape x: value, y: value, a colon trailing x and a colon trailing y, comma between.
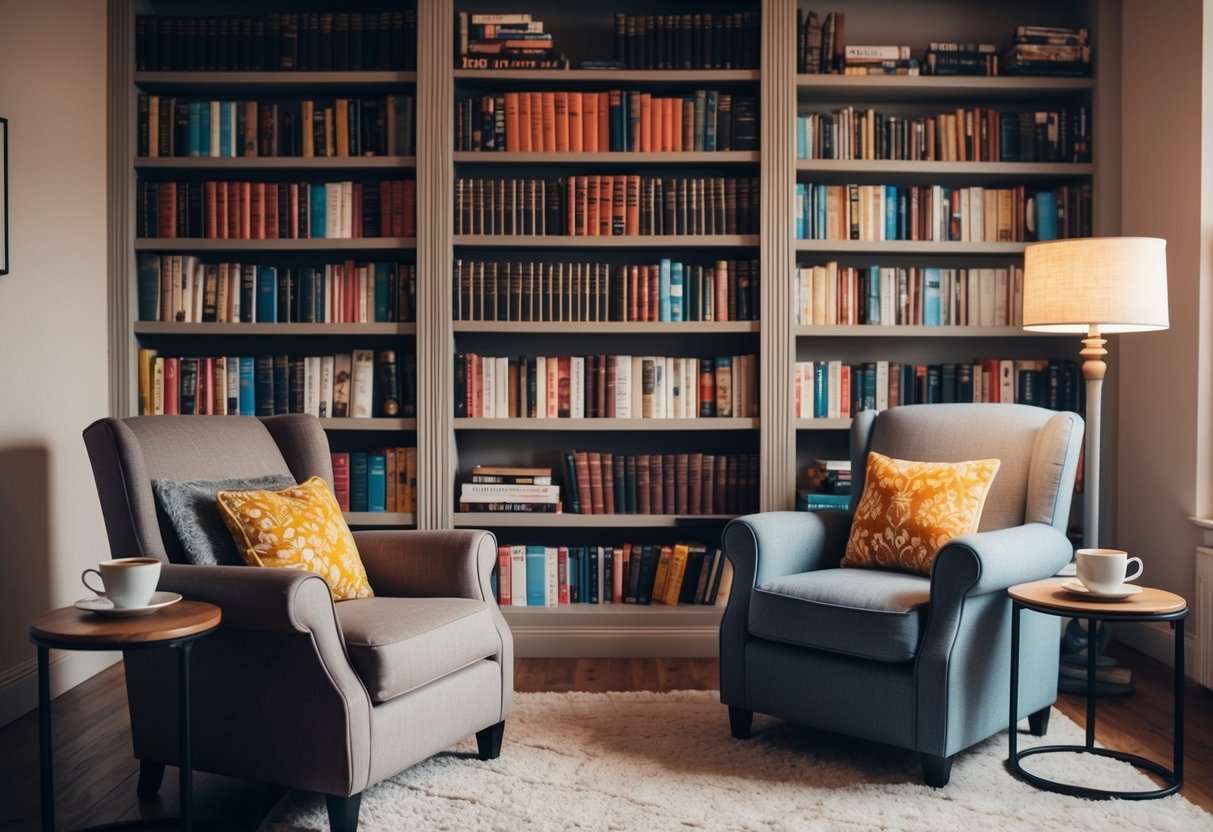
x: 52, y: 325
x: 1165, y: 378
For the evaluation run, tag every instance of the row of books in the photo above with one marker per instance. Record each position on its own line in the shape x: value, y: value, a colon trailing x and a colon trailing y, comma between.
x: 942, y: 213
x: 607, y: 205
x: 977, y: 134
x: 831, y: 294
x: 168, y: 126
x: 377, y: 480
x: 244, y: 210
x: 632, y: 573
x: 507, y: 40
x: 602, y: 482
x: 666, y: 291
x: 832, y: 389
x: 185, y: 289
x: 604, y: 386
x: 701, y: 40
x: 279, y: 41
x: 611, y: 121
x: 358, y: 384
x: 1048, y: 50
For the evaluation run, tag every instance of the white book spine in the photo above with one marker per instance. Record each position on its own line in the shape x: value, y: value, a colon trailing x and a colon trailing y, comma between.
x: 518, y: 576
x: 577, y: 387
x: 501, y: 387
x: 550, y: 560
x: 623, y: 387
x: 326, y: 386
x: 362, y: 384
x: 488, y: 387
x: 541, y: 387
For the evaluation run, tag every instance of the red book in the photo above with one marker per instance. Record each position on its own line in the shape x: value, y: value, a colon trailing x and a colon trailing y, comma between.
x: 504, y: 598
x: 246, y: 210
x: 341, y: 479
x: 597, y: 503
x: 581, y: 470
x: 657, y: 483
x: 172, y: 386
x: 608, y: 484
x: 233, y: 211
x: 271, y: 210
x: 408, y: 189
x: 166, y: 198
x: 210, y: 229
x: 562, y: 573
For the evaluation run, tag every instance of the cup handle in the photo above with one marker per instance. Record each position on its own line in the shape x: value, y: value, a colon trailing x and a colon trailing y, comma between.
x: 1140, y: 568
x: 84, y: 580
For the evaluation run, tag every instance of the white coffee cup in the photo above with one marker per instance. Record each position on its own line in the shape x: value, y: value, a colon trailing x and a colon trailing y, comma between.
x: 127, y: 582
x: 1103, y: 571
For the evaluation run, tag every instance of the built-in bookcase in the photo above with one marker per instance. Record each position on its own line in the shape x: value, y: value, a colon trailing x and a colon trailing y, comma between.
x: 451, y: 260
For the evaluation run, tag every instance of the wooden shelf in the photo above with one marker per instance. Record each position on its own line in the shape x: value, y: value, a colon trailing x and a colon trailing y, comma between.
x: 520, y: 519
x: 203, y: 80
x: 190, y: 244
x: 628, y: 158
x: 710, y: 423
x: 319, y: 330
x: 373, y: 423
x: 896, y: 171
x: 275, y: 163
x: 822, y: 424
x: 634, y: 241
x: 855, y: 88
x: 631, y: 76
x: 879, y: 247
x: 609, y: 327
x: 863, y: 331
x: 380, y: 518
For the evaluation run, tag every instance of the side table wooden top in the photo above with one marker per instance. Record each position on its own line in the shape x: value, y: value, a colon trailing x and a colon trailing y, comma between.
x: 73, y: 626
x: 1049, y: 593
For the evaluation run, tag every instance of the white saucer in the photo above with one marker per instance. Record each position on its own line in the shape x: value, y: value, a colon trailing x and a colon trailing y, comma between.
x: 1124, y: 592
x: 105, y: 607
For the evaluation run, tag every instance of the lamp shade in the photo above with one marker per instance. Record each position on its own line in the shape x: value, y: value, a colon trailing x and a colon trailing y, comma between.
x: 1118, y: 284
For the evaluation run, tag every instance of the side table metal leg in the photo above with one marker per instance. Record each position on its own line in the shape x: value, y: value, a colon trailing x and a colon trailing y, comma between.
x: 44, y: 740
x: 185, y: 763
x: 1178, y: 740
x: 1013, y: 723
x: 1092, y: 625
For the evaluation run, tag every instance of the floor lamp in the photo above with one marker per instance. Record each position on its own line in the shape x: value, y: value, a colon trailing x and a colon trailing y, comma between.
x: 1095, y: 286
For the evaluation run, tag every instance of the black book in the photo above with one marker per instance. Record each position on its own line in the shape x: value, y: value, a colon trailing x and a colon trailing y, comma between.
x: 631, y: 592
x: 629, y: 484
x: 620, y: 37
x: 248, y: 293
x: 650, y: 555
x: 690, y: 577
x: 188, y: 379
x: 387, y: 386
x: 282, y: 384
x: 572, y: 497
x: 263, y: 385
x: 618, y: 475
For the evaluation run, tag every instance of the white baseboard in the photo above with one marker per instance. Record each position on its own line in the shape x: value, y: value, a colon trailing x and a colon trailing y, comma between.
x: 1158, y: 642
x: 19, y: 685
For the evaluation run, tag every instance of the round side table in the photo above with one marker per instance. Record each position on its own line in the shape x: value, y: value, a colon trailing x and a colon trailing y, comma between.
x: 68, y: 628
x: 1150, y: 604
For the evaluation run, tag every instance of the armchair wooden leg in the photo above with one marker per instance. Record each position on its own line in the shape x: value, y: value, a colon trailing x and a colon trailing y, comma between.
x: 1038, y: 723
x: 740, y: 722
x: 151, y: 775
x: 936, y: 771
x: 343, y: 812
x: 488, y: 741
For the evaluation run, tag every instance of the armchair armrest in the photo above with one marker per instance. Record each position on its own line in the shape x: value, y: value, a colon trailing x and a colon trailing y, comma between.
x: 975, y: 564
x: 269, y: 600
x: 449, y: 563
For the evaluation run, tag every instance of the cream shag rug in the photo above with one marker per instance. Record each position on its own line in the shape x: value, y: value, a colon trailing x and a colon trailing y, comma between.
x: 650, y: 761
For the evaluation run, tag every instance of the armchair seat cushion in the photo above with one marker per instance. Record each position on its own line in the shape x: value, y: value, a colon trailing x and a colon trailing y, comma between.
x: 399, y: 644
x: 857, y: 612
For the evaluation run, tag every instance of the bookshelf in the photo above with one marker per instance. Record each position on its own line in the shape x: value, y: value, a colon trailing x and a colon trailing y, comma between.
x: 447, y: 446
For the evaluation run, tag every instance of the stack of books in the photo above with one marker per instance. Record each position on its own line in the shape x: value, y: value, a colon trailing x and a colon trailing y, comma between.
x: 506, y: 488
x: 506, y: 41
x: 829, y: 483
x: 955, y: 58
x: 878, y: 59
x: 1048, y: 50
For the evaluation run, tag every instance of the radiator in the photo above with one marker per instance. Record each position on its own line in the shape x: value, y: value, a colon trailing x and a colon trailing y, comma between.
x: 1204, y: 616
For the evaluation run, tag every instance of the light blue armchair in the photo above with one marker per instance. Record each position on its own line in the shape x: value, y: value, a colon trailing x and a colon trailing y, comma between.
x: 910, y: 661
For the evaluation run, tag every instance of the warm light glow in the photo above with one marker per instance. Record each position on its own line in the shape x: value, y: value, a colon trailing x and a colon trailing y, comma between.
x: 1117, y: 284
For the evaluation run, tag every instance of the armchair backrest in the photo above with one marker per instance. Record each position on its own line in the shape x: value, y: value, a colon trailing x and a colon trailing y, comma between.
x: 1038, y: 449
x: 127, y: 454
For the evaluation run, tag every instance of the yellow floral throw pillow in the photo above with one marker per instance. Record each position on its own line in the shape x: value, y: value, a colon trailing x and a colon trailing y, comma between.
x: 909, y: 510
x: 300, y: 526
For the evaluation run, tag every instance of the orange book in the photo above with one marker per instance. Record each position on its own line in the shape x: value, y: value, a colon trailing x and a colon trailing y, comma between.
x: 667, y: 123
x: 256, y: 211
x: 658, y: 125
x: 342, y: 127
x: 576, y: 126
x: 589, y: 122
x: 537, y: 122
x: 604, y: 121
x: 644, y: 141
x: 547, y: 124
x: 606, y: 203
x: 561, y: 111
x: 513, y: 139
x: 524, y: 123
x: 233, y: 211
x: 210, y: 207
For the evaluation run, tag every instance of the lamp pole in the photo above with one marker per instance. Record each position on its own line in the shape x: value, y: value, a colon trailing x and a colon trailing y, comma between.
x: 1093, y: 370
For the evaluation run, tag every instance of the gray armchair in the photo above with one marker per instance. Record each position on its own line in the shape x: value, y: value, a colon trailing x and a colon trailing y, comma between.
x: 295, y: 689
x: 915, y: 662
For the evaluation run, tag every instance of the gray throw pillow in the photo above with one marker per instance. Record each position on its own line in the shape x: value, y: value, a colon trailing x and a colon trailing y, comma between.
x: 190, y: 509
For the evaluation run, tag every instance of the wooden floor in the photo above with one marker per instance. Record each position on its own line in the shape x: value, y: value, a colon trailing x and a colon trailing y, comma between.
x: 95, y: 775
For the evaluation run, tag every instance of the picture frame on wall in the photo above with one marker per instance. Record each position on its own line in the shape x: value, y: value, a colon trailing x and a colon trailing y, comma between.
x: 3, y: 195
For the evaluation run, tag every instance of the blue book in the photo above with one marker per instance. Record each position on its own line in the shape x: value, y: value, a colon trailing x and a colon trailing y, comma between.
x: 709, y: 120
x: 821, y: 194
x: 248, y: 387
x: 615, y: 120
x: 573, y: 572
x: 194, y: 140
x: 890, y: 212
x: 319, y: 209
x: 149, y: 286
x: 873, y: 316
x: 932, y: 299
x: 802, y: 150
x: 358, y: 481
x: 1046, y: 215
x: 677, y: 289
x: 227, y: 117
x: 821, y: 387
x: 798, y: 220
x: 267, y: 294
x: 663, y: 291
x: 204, y: 129
x: 536, y: 576
x: 376, y: 482
x: 381, y: 292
